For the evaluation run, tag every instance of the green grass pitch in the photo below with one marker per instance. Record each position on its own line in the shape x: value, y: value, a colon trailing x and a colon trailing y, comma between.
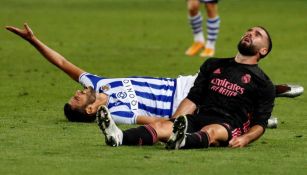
x: 117, y: 38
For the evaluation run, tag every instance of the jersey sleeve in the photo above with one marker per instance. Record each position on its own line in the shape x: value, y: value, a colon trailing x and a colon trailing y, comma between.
x: 264, y: 105
x: 200, y: 85
x: 89, y: 80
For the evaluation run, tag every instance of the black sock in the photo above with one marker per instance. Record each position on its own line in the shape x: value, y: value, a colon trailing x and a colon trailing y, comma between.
x: 196, y: 140
x: 143, y: 135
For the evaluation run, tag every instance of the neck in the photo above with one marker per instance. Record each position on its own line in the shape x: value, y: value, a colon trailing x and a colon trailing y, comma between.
x: 101, y: 99
x: 242, y: 59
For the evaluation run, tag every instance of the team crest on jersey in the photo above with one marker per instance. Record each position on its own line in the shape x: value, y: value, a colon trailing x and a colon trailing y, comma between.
x: 217, y: 71
x: 121, y: 95
x: 246, y: 78
x: 105, y: 88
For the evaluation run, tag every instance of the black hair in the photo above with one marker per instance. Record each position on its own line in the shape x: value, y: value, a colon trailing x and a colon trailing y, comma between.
x: 75, y: 115
x: 269, y: 40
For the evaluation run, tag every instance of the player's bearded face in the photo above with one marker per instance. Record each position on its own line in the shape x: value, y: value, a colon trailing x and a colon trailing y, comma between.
x: 246, y: 46
x: 83, y: 98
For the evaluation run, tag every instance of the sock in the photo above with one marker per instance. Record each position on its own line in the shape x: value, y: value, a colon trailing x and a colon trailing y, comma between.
x: 213, y: 26
x: 143, y: 135
x: 282, y: 88
x: 196, y: 140
x: 196, y: 25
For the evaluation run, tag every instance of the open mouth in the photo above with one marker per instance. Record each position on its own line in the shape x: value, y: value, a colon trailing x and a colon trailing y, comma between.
x: 247, y: 39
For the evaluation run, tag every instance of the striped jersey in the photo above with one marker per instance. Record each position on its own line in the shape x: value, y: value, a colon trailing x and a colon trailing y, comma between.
x: 134, y: 96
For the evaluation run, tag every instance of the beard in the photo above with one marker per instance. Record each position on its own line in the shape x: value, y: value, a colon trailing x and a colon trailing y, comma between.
x: 247, y: 49
x: 91, y: 95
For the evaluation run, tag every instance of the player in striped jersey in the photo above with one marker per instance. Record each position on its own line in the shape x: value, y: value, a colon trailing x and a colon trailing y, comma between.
x: 132, y: 100
x: 196, y: 22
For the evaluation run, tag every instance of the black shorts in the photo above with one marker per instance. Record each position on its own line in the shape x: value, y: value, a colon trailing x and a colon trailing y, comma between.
x: 208, y: 1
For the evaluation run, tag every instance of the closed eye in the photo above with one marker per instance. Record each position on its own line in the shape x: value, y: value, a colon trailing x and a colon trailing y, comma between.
x: 258, y: 34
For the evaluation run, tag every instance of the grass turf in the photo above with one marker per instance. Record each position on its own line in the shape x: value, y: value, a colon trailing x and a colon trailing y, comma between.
x: 117, y: 38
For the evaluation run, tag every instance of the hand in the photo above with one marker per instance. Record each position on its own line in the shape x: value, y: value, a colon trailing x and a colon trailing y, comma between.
x: 25, y: 33
x: 238, y: 142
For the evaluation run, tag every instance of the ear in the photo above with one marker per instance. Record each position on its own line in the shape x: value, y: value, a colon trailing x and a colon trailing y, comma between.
x: 89, y: 109
x: 263, y: 51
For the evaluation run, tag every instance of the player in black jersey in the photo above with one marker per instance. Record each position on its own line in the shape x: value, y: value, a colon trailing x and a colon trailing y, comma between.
x: 234, y: 98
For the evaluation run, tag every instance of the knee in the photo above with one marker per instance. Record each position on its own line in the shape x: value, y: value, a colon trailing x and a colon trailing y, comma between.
x: 193, y: 7
x: 161, y: 125
x: 163, y: 129
x: 211, y: 9
x: 216, y: 134
x: 211, y: 135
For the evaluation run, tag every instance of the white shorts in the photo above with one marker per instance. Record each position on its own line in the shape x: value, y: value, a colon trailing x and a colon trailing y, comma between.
x: 184, y: 84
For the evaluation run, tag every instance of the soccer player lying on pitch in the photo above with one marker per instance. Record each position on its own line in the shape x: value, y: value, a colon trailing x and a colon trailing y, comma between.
x: 133, y: 100
x: 235, y: 99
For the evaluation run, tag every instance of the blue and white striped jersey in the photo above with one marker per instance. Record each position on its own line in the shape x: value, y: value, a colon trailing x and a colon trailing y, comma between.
x: 134, y: 96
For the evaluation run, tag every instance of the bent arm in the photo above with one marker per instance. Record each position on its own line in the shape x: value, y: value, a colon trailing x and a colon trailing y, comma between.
x: 197, y: 92
x: 253, y: 134
x: 185, y: 107
x: 52, y: 56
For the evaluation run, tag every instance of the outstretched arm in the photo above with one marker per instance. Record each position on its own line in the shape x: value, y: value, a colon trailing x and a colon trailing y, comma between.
x: 52, y: 56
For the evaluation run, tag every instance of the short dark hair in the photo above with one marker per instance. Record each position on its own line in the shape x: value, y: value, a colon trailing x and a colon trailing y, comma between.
x: 269, y: 40
x: 75, y: 115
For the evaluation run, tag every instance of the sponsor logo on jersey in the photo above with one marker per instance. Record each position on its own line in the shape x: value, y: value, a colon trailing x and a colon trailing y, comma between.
x: 130, y: 94
x: 217, y: 71
x: 224, y: 87
x: 246, y: 78
x: 121, y: 95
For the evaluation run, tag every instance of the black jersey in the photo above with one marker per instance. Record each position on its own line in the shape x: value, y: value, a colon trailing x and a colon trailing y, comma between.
x: 240, y: 94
